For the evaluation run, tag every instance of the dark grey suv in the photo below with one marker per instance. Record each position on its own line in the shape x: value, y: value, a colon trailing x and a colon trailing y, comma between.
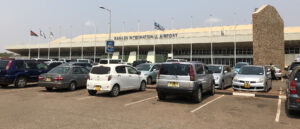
x: 293, y: 90
x: 184, y: 77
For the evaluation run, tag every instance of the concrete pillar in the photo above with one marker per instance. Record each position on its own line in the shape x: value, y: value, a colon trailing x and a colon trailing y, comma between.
x: 268, y: 37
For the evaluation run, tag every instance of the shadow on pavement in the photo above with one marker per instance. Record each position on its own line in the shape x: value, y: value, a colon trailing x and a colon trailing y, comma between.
x: 123, y: 93
x: 13, y: 87
x: 63, y: 90
x: 183, y: 99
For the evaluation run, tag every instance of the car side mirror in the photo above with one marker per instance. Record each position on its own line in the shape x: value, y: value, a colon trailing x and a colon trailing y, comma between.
x: 285, y: 77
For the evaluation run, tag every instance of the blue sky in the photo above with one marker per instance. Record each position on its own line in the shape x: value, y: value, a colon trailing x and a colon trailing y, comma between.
x: 75, y: 17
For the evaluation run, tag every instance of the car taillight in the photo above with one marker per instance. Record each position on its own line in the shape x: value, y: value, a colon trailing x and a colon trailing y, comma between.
x: 41, y: 78
x: 192, y: 75
x: 279, y: 71
x: 8, y: 65
x: 158, y: 74
x: 109, y: 77
x: 293, y: 89
x: 58, y: 78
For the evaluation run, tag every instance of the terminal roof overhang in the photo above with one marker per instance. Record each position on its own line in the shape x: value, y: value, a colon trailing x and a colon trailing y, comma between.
x: 218, y: 34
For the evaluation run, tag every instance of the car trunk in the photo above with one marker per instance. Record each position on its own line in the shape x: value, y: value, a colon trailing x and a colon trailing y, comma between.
x: 178, y: 73
x: 99, y: 74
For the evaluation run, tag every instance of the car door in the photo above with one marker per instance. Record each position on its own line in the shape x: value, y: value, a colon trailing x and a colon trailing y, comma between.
x: 201, y: 76
x: 208, y: 78
x: 133, y: 77
x: 226, y: 76
x: 31, y: 71
x: 122, y: 77
x: 85, y: 75
x: 154, y: 71
x: 77, y: 76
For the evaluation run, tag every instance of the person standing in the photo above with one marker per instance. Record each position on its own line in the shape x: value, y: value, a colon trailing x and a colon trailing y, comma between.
x: 273, y: 71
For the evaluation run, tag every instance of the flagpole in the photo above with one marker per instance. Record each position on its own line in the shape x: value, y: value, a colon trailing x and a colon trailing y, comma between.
x: 211, y: 45
x: 138, y: 48
x: 172, y: 45
x: 123, y: 41
x: 49, y: 44
x: 191, y: 51
x: 82, y: 43
x: 59, y: 45
x: 95, y: 47
x: 30, y: 41
x: 71, y: 43
x: 38, y: 45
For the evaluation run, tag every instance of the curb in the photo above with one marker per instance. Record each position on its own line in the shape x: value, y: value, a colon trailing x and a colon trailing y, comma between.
x: 252, y: 95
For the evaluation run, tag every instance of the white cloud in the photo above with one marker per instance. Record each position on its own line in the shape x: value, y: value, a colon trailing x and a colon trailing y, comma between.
x: 213, y: 20
x: 89, y: 23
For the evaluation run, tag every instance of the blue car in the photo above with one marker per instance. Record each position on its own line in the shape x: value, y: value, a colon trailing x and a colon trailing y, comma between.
x: 238, y: 66
x: 19, y: 72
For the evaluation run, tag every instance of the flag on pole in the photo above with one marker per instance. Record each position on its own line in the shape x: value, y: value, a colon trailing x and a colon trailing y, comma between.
x: 158, y: 26
x: 51, y: 35
x: 42, y: 34
x: 33, y: 34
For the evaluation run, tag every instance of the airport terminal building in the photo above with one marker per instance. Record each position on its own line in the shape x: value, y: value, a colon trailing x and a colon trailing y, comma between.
x: 209, y: 45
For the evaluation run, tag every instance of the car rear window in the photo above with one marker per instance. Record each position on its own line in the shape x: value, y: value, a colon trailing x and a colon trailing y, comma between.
x: 294, y: 65
x: 3, y: 64
x: 175, y: 69
x: 60, y: 70
x: 100, y: 70
x: 251, y: 71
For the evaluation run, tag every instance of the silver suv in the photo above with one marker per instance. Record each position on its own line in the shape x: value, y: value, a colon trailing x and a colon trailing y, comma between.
x: 184, y: 77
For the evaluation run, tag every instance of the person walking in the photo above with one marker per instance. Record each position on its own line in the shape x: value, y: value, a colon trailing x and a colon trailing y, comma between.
x: 273, y: 71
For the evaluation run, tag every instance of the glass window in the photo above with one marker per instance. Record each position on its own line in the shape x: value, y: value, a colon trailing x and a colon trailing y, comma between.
x: 155, y: 67
x: 41, y: 66
x: 76, y: 70
x: 120, y: 69
x: 19, y: 64
x: 30, y: 65
x: 131, y: 70
x: 175, y: 69
x: 199, y: 69
x: 3, y: 64
x: 251, y: 70
x: 84, y: 70
x: 215, y: 69
x: 143, y: 67
x: 60, y: 70
x: 100, y: 70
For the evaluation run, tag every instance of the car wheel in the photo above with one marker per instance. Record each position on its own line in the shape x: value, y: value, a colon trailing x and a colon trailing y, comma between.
x: 49, y: 88
x: 222, y: 85
x: 161, y: 96
x: 4, y: 85
x: 21, y: 82
x: 143, y: 86
x: 198, y: 95
x: 212, y: 91
x: 72, y: 86
x: 115, y: 91
x: 92, y: 92
x: 266, y: 88
x: 149, y: 80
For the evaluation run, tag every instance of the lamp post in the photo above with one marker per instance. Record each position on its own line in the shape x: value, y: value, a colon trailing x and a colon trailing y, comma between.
x: 109, y: 30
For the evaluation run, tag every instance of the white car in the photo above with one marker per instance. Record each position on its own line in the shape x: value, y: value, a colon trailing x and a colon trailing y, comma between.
x: 114, y: 78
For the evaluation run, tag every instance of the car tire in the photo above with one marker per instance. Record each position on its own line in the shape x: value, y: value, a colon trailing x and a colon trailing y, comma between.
x: 197, y: 97
x: 212, y: 91
x: 143, y: 86
x: 20, y: 82
x: 222, y: 85
x: 149, y: 80
x: 92, y: 92
x: 72, y: 86
x: 115, y: 91
x: 3, y: 86
x: 266, y: 88
x: 161, y: 95
x: 49, y: 88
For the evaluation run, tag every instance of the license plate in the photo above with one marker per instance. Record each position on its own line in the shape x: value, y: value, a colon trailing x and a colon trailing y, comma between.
x: 247, y: 85
x: 98, y: 88
x: 48, y: 79
x: 173, y: 84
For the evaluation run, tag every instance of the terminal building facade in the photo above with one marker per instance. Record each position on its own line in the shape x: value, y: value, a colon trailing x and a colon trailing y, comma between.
x: 215, y: 45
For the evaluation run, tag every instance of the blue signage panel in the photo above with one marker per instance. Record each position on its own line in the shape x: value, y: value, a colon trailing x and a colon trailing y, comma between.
x: 110, y: 45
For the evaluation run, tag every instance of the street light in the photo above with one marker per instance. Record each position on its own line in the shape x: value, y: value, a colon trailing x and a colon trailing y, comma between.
x: 109, y: 31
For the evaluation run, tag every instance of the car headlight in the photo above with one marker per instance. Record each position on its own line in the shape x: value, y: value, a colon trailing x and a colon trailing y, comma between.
x: 235, y: 79
x: 261, y: 80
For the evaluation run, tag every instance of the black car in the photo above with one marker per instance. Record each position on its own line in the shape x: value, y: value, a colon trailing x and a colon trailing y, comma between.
x: 291, y: 67
x: 293, y: 90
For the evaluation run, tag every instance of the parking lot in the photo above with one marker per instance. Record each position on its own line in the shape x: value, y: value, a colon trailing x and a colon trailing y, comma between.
x: 34, y: 108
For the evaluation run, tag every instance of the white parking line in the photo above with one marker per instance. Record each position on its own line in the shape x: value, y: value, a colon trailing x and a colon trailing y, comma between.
x: 128, y: 104
x: 86, y: 97
x: 243, y: 94
x: 278, y: 110
x: 206, y: 104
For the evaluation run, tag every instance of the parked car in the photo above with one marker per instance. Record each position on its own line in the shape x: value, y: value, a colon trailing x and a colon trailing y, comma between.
x: 238, y: 66
x: 137, y: 62
x: 64, y: 77
x: 85, y: 61
x: 293, y: 90
x: 176, y: 60
x: 111, y: 61
x: 113, y: 78
x: 253, y: 78
x: 278, y: 72
x: 291, y: 67
x: 54, y: 64
x: 19, y: 72
x: 222, y: 75
x: 150, y: 71
x: 189, y: 78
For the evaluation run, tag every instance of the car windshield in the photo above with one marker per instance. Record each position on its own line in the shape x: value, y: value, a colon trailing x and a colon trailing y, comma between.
x: 215, y: 69
x: 239, y: 65
x: 175, y: 69
x: 294, y: 65
x: 100, y: 70
x: 60, y: 70
x: 172, y: 60
x: 84, y: 61
x: 143, y: 67
x: 252, y: 71
x: 3, y: 64
x: 114, y: 61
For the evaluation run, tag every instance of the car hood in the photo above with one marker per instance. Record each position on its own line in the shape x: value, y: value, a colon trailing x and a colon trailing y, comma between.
x: 249, y: 77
